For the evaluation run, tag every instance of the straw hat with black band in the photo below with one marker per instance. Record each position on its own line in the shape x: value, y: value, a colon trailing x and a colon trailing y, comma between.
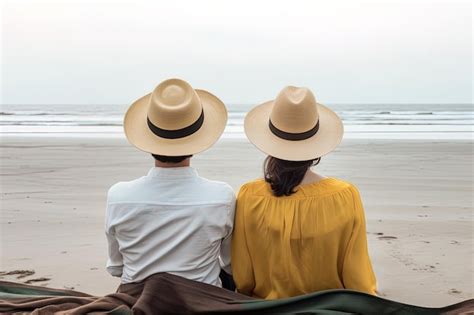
x: 294, y: 126
x: 175, y: 120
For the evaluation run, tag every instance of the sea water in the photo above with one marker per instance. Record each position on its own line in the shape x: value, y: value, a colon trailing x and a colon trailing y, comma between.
x: 369, y: 121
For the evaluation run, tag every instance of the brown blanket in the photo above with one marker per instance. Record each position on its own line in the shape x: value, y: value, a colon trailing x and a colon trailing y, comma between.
x: 168, y: 294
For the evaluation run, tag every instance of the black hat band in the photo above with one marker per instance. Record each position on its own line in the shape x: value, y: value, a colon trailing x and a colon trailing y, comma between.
x: 293, y: 136
x: 179, y: 133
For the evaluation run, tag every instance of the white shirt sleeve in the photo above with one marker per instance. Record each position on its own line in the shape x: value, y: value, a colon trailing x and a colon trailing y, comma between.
x: 115, y: 261
x: 225, y: 252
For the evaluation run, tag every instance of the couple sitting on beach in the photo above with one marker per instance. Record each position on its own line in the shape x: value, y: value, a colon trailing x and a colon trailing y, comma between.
x: 176, y: 239
x: 291, y: 233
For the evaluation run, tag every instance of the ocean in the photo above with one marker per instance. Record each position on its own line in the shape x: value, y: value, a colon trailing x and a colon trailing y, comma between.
x: 367, y: 121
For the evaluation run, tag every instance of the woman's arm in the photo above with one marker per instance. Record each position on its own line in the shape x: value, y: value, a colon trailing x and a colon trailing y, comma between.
x: 357, y: 269
x: 242, y: 269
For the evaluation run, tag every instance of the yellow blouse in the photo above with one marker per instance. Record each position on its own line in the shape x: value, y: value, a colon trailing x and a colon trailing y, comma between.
x: 313, y: 240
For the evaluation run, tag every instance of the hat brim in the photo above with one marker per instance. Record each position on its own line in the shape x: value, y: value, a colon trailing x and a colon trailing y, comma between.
x: 139, y: 134
x: 324, y: 141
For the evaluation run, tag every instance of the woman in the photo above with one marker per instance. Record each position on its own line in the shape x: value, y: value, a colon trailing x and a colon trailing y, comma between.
x: 296, y: 231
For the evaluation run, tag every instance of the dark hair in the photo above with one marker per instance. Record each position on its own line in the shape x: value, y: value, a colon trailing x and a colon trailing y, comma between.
x: 283, y: 176
x: 170, y: 159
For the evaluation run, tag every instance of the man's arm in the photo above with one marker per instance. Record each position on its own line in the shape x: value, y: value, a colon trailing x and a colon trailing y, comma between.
x: 225, y: 253
x: 115, y: 261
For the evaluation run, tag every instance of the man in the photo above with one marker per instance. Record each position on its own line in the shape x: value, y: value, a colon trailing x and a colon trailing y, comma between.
x: 171, y: 220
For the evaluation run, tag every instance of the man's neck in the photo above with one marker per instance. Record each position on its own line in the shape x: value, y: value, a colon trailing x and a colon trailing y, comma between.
x: 184, y: 163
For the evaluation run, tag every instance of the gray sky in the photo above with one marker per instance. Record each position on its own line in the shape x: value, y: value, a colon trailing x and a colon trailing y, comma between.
x: 245, y: 51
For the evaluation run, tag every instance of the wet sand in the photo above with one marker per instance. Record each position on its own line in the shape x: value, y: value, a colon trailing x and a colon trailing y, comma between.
x: 417, y: 195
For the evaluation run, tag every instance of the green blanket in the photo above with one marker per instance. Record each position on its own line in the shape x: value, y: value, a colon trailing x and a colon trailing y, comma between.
x: 169, y: 294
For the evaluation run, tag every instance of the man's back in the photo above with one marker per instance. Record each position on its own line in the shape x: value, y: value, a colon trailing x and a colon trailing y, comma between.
x: 171, y: 220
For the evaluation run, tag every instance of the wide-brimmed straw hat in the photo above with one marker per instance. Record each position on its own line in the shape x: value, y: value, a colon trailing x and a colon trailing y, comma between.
x: 175, y: 120
x: 294, y: 126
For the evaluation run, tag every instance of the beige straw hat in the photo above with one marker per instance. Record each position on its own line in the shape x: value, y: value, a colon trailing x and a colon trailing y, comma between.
x: 175, y: 120
x: 294, y: 126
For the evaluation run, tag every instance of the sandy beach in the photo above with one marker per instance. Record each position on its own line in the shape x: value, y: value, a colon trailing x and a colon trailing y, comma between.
x: 417, y: 195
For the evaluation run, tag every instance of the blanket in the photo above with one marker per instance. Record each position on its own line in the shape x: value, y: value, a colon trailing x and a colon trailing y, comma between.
x: 169, y: 294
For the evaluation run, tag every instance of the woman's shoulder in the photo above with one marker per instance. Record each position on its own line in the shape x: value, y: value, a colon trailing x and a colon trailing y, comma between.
x: 325, y: 186
x: 338, y: 183
x: 253, y: 187
x: 328, y: 186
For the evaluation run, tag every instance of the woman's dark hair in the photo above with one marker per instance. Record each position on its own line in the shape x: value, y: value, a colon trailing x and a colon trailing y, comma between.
x: 283, y: 176
x: 170, y: 159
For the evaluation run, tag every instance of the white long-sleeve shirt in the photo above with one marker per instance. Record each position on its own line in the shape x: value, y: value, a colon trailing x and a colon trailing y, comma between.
x: 171, y: 220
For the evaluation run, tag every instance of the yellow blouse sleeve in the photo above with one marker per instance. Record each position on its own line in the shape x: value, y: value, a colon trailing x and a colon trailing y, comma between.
x: 357, y: 269
x: 242, y: 269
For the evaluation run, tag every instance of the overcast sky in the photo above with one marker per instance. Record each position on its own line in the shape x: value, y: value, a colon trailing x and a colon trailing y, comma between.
x: 109, y: 52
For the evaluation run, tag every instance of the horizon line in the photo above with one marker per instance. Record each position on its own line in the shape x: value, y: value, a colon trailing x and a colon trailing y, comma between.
x: 246, y: 104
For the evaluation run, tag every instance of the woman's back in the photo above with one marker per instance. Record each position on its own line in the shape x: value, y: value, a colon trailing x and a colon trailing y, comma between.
x: 314, y: 239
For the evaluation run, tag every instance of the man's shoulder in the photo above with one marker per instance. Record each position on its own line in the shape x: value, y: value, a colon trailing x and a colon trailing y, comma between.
x: 120, y: 189
x: 217, y: 187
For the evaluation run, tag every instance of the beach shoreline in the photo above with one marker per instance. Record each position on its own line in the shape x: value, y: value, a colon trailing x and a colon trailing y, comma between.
x: 417, y: 195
